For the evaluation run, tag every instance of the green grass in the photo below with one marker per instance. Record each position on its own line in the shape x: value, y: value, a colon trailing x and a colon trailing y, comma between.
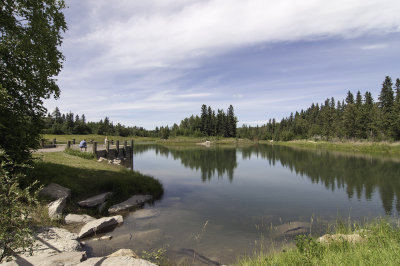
x: 63, y: 139
x: 87, y: 177
x: 377, y: 148
x: 84, y: 155
x: 380, y: 246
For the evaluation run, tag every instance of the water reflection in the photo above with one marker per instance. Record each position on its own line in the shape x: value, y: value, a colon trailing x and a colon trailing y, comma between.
x: 210, y: 161
x: 358, y: 176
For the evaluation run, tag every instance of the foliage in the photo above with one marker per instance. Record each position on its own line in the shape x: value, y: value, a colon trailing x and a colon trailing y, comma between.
x: 209, y: 124
x: 381, y: 246
x: 30, y: 33
x: 354, y: 118
x: 15, y: 207
x: 84, y: 155
x: 156, y: 256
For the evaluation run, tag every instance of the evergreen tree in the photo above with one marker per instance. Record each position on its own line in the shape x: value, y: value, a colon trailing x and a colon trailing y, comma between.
x: 232, y: 121
x: 204, y: 120
x: 386, y: 102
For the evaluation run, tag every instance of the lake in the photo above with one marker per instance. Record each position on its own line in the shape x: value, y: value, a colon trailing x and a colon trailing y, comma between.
x: 223, y: 202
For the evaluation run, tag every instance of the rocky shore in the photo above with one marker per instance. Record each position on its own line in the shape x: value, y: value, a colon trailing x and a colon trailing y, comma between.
x: 58, y: 246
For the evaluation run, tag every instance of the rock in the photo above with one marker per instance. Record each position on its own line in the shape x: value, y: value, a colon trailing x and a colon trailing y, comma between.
x: 116, y: 261
x: 117, y: 161
x: 102, y: 159
x: 145, y: 213
x: 56, y: 240
x: 134, y: 201
x: 56, y: 208
x: 96, y: 200
x: 106, y: 238
x: 352, y: 238
x: 101, y: 207
x: 77, y: 218
x: 55, y: 191
x: 54, y: 246
x: 102, y: 238
x: 124, y: 252
x: 291, y: 229
x: 64, y: 258
x: 100, y: 225
x: 109, y: 161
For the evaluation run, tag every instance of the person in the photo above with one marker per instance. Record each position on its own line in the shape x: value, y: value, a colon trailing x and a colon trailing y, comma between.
x: 105, y: 141
x: 83, y: 144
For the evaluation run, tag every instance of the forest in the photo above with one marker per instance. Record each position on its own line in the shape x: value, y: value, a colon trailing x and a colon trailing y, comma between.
x: 356, y: 117
x: 209, y: 123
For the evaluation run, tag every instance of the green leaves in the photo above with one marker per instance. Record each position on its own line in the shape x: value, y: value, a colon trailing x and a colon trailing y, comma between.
x: 29, y: 60
x: 15, y: 207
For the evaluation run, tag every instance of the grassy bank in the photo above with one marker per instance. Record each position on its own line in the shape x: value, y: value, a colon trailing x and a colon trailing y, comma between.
x: 378, y: 148
x: 87, y: 177
x: 181, y: 140
x: 380, y: 245
x: 99, y: 138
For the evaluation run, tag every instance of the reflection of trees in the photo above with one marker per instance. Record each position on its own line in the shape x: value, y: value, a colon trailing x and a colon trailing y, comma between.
x: 210, y: 161
x: 357, y: 175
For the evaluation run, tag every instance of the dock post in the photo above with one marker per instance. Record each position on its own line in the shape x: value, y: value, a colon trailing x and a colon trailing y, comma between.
x: 117, y: 147
x: 125, y: 148
x: 42, y: 143
x: 131, y: 155
x: 69, y: 144
x: 95, y: 148
x: 54, y: 142
x: 107, y: 147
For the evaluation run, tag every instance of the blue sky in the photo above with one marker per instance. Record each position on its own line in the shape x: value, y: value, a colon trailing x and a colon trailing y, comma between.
x: 154, y: 62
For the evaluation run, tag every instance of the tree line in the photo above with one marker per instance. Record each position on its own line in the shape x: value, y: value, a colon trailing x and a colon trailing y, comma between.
x: 355, y: 117
x: 208, y: 123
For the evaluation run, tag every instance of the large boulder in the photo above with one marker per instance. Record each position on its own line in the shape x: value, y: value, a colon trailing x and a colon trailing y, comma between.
x: 55, y: 191
x: 116, y: 261
x: 134, y: 201
x: 95, y: 201
x: 124, y: 252
x: 64, y: 258
x: 56, y: 208
x: 100, y: 225
x: 55, y: 240
x: 78, y: 218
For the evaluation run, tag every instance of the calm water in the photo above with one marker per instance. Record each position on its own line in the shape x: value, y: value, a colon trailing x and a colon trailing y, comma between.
x: 220, y: 203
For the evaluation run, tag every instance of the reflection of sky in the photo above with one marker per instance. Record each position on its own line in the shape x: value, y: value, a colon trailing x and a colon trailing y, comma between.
x: 149, y: 63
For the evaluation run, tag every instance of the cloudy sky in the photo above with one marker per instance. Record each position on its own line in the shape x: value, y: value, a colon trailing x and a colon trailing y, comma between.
x: 154, y: 62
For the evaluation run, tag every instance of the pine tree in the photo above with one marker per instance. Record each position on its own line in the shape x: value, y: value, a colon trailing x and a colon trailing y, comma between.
x: 203, y: 127
x: 396, y: 112
x: 231, y: 123
x: 386, y: 102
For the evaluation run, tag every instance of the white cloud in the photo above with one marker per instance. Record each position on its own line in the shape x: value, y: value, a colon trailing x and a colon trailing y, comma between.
x: 154, y: 34
x: 374, y: 46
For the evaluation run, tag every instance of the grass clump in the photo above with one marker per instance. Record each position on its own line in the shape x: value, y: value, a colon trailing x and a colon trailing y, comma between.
x: 87, y: 178
x: 84, y: 155
x: 380, y: 245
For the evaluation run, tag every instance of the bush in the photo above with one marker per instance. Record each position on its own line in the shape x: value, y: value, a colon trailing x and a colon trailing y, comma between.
x: 15, y: 207
x: 84, y: 155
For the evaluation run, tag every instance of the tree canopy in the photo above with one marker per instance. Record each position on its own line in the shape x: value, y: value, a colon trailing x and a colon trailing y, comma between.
x: 30, y: 35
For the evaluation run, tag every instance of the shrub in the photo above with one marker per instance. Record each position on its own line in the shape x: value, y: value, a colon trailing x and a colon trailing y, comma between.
x: 15, y: 207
